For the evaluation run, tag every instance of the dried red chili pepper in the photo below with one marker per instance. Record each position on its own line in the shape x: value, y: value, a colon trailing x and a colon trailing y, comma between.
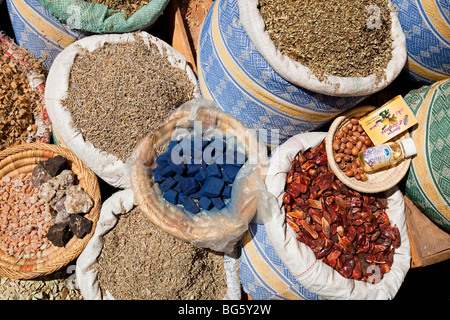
x: 349, y: 231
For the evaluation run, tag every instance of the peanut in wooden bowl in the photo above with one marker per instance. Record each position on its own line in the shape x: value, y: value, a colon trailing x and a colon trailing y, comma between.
x: 22, y: 159
x: 171, y: 218
x: 379, y: 181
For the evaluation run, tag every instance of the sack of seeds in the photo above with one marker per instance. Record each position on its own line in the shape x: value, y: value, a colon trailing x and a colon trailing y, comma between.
x: 201, y: 176
x: 106, y: 91
x: 129, y: 258
x: 102, y: 16
x: 337, y: 48
x: 337, y: 243
x: 23, y: 113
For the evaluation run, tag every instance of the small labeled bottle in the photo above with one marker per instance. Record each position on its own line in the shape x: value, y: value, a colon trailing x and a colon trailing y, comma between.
x: 385, y: 155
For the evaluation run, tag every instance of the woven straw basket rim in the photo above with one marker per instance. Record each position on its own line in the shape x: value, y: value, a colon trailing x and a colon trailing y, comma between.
x: 22, y: 159
x: 194, y: 229
x: 378, y: 181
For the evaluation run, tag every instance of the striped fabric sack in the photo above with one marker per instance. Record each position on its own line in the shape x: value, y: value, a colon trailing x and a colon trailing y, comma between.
x: 234, y: 74
x: 98, y: 18
x: 428, y: 180
x: 38, y: 31
x: 263, y: 275
x: 107, y: 166
x: 426, y: 25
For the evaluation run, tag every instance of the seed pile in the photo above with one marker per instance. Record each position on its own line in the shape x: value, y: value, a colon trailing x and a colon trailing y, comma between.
x: 17, y: 101
x: 24, y: 217
x: 332, y: 37
x: 140, y: 261
x: 120, y: 92
x: 126, y: 6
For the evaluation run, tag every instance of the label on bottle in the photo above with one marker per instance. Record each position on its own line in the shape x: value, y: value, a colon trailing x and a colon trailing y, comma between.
x: 379, y: 156
x: 388, y: 121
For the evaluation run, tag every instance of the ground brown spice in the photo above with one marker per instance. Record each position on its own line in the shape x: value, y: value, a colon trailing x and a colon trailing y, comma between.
x: 140, y: 261
x: 332, y: 37
x: 121, y: 92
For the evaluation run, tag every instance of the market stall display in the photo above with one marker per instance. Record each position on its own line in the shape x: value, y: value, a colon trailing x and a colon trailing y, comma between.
x: 301, y: 260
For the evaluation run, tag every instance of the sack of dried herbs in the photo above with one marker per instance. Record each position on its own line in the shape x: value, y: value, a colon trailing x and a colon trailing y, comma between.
x: 234, y: 74
x: 213, y: 228
x: 106, y: 16
x: 23, y: 116
x: 106, y: 91
x: 339, y: 48
x: 129, y: 258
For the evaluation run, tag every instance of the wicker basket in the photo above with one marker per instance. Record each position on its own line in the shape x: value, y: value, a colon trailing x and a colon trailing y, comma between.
x: 376, y: 182
x: 192, y: 228
x: 22, y: 159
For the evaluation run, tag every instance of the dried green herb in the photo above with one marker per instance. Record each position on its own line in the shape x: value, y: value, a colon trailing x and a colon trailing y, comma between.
x: 141, y: 261
x: 121, y: 92
x: 343, y: 38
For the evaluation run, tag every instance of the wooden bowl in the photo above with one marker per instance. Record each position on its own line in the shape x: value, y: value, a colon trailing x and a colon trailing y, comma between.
x: 376, y: 182
x: 22, y: 159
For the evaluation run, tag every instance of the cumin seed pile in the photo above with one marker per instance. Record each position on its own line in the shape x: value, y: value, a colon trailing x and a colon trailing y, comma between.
x: 121, y: 92
x: 331, y: 37
x: 140, y: 261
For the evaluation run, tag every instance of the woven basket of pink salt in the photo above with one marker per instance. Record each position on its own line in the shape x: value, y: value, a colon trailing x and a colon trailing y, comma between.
x: 25, y: 219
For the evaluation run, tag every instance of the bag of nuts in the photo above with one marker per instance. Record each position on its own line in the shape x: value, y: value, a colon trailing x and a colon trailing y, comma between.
x: 23, y: 117
x: 299, y: 245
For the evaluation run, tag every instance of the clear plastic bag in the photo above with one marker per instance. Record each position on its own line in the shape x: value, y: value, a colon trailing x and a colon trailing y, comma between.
x: 215, y: 229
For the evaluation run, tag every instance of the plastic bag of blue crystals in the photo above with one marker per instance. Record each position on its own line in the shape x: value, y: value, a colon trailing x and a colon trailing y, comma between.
x: 201, y: 176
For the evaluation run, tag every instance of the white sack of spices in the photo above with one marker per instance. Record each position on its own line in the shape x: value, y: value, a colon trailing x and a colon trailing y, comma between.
x: 300, y: 75
x: 107, y: 166
x: 300, y: 260
x: 120, y: 203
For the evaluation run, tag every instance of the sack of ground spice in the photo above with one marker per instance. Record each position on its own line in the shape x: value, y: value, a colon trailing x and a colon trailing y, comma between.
x: 106, y: 91
x: 327, y: 235
x: 23, y: 114
x: 106, y: 16
x: 201, y: 176
x: 338, y: 48
x: 129, y: 258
